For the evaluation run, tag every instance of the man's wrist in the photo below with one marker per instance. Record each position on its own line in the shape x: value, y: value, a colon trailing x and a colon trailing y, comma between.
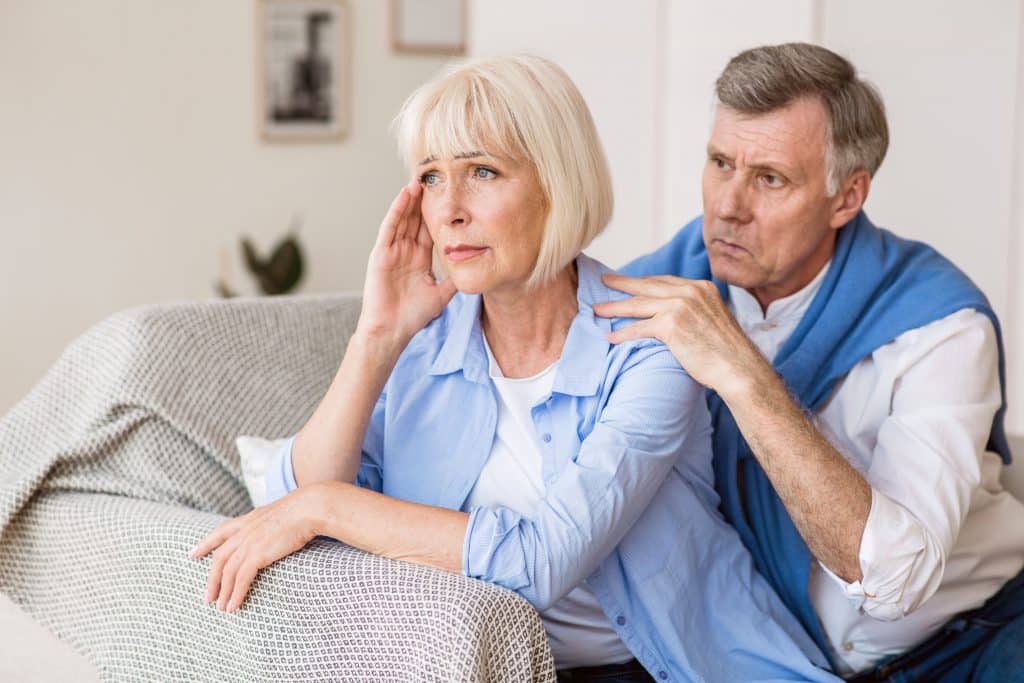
x: 751, y: 383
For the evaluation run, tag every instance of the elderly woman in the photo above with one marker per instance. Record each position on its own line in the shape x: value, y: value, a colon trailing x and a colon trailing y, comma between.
x: 490, y: 424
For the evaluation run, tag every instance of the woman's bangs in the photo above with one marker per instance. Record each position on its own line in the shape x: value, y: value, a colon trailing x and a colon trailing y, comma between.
x: 467, y: 120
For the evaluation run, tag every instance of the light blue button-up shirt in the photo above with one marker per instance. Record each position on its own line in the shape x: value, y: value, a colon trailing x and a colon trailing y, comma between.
x: 630, y: 505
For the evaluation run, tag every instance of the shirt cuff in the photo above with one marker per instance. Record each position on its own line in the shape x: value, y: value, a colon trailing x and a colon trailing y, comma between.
x: 481, y: 550
x: 280, y: 479
x: 890, y: 548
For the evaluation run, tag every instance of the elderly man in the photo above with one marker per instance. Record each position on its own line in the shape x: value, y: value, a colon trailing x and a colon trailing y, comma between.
x: 855, y: 381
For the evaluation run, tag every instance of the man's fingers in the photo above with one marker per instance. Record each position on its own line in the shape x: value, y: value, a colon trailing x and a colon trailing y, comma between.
x: 643, y: 329
x: 636, y: 307
x: 643, y: 286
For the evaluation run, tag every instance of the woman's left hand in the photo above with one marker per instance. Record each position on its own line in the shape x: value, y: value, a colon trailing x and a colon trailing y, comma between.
x: 244, y: 545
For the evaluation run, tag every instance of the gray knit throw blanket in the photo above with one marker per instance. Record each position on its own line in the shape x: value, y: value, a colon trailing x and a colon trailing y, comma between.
x: 122, y: 457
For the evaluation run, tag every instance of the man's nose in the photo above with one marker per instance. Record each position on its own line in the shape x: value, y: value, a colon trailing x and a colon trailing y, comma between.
x: 733, y: 201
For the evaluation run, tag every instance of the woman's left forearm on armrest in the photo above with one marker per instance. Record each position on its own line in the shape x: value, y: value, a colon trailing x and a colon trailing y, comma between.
x: 397, y: 529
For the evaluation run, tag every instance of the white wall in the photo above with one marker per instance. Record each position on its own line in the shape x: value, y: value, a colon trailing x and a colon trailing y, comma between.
x: 949, y: 80
x: 949, y: 71
x: 130, y: 159
x: 606, y: 48
x: 1015, y: 255
x: 950, y: 74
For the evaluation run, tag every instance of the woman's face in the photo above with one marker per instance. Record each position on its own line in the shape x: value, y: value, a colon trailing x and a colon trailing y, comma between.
x: 486, y: 216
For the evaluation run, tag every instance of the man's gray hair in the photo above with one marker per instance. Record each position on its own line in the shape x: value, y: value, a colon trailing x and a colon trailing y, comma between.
x: 764, y: 79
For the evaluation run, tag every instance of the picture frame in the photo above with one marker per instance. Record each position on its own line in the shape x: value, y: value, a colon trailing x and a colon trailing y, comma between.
x: 432, y: 27
x: 302, y: 65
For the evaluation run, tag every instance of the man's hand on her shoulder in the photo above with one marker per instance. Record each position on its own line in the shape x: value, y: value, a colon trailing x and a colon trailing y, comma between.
x: 690, y: 318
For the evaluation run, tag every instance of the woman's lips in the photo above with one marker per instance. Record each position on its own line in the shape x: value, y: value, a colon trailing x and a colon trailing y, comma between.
x: 463, y: 253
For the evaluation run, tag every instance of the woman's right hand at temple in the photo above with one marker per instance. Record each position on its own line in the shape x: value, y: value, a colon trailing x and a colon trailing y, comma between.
x: 401, y: 295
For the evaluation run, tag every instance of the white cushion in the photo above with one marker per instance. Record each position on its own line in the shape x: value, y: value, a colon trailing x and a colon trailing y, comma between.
x: 257, y: 454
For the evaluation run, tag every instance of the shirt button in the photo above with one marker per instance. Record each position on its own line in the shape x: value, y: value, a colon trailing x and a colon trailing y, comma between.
x: 848, y: 646
x: 546, y: 438
x: 663, y: 675
x: 620, y: 620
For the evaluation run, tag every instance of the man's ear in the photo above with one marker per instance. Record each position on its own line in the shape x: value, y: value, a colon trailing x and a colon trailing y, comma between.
x: 850, y: 198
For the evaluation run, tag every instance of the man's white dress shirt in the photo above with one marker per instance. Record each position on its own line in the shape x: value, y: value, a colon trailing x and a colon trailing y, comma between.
x: 913, y: 418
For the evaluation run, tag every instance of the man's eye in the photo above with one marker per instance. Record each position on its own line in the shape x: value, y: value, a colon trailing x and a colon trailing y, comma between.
x: 772, y: 180
x: 719, y: 162
x: 429, y: 179
x: 484, y: 173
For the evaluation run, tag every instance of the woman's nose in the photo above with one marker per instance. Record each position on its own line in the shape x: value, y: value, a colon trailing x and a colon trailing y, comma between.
x: 452, y: 205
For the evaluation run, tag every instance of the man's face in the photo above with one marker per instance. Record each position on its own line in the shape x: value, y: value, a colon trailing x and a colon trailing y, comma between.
x: 766, y: 216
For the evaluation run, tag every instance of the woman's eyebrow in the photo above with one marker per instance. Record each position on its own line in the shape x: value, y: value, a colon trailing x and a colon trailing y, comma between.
x: 464, y: 155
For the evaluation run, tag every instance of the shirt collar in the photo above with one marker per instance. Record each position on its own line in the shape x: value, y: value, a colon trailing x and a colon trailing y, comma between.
x: 581, y: 366
x: 787, y: 309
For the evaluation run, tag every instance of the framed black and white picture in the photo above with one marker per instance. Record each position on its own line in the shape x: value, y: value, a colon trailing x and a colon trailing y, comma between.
x: 302, y: 69
x: 428, y: 26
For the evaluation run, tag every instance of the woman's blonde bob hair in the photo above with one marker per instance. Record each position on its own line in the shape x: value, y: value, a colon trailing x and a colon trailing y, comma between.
x: 527, y: 109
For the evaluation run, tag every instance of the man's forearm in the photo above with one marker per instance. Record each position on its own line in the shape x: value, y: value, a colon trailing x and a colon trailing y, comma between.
x: 827, y: 499
x: 329, y: 446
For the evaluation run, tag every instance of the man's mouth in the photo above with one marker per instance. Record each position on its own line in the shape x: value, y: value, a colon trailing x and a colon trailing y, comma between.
x: 727, y: 246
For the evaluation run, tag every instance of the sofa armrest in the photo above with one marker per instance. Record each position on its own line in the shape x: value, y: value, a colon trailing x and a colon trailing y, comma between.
x: 117, y: 585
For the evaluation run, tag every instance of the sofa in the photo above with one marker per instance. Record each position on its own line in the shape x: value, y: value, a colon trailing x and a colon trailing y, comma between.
x: 122, y: 457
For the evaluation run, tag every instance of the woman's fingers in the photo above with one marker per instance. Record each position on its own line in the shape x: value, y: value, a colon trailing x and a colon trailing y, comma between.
x: 213, y: 579
x: 221, y: 533
x: 243, y: 580
x: 227, y: 581
x: 402, y: 227
x: 446, y: 289
x: 392, y: 219
x: 423, y: 238
x: 240, y: 554
x: 221, y: 559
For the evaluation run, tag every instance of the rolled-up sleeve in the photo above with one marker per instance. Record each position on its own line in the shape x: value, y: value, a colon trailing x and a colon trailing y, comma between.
x: 926, y: 465
x: 280, y: 477
x: 654, y: 415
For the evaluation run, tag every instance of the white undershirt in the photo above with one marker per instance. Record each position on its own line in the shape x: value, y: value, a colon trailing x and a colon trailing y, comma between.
x: 578, y: 630
x: 913, y: 418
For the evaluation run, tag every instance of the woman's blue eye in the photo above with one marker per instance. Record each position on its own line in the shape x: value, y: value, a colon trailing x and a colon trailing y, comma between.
x: 485, y: 173
x: 428, y: 179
